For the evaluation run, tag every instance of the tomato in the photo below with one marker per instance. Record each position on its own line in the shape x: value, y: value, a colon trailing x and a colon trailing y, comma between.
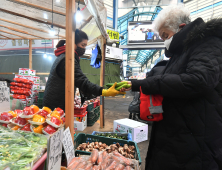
x: 28, y: 111
x: 55, y: 120
x: 18, y: 112
x: 63, y: 119
x: 50, y: 130
x: 20, y: 121
x: 26, y: 128
x: 6, y: 116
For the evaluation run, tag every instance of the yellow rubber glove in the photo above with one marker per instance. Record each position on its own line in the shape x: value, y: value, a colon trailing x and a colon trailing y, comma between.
x: 111, y: 91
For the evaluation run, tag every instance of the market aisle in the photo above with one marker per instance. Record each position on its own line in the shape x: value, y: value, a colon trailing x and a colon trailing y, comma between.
x: 117, y: 108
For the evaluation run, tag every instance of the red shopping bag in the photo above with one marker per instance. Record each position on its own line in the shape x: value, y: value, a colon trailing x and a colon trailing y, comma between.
x: 151, y: 107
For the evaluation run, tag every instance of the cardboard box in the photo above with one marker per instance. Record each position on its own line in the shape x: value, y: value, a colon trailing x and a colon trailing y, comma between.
x: 28, y: 78
x: 80, y: 123
x: 36, y: 79
x: 32, y: 72
x: 36, y: 87
x: 24, y: 71
x: 19, y: 76
x: 138, y: 130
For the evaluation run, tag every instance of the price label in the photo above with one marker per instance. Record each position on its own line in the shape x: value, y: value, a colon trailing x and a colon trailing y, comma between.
x: 55, y: 150
x: 68, y: 145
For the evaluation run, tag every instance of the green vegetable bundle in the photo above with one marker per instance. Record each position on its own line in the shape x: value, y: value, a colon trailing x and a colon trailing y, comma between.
x: 119, y: 85
x: 19, y: 149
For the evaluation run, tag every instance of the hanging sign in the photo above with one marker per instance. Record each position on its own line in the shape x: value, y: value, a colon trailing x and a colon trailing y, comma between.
x: 24, y: 44
x: 113, y: 35
x: 115, y: 53
x: 68, y: 145
x: 4, y: 97
x: 54, y: 153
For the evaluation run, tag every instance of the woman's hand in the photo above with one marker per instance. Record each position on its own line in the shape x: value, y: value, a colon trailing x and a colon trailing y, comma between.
x: 124, y: 89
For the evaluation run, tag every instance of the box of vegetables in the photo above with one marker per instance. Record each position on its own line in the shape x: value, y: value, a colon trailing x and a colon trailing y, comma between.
x: 124, y: 136
x: 85, y: 144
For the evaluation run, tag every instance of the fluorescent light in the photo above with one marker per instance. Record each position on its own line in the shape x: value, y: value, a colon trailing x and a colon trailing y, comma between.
x: 45, y: 16
x: 57, y: 0
x: 45, y: 56
x: 52, y: 32
x: 50, y: 58
x: 78, y: 16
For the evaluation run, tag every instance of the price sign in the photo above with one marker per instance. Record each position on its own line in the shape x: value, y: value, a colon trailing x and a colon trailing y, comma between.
x: 55, y: 150
x: 4, y: 97
x: 68, y: 145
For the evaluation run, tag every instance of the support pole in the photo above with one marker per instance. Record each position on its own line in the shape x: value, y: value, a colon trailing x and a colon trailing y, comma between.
x: 69, y: 63
x: 30, y: 54
x: 102, y: 74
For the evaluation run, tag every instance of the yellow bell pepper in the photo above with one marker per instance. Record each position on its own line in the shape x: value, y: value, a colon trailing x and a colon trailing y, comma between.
x: 55, y: 113
x: 47, y: 109
x: 13, y: 113
x: 38, y: 129
x: 57, y: 116
x: 15, y: 128
x: 38, y: 118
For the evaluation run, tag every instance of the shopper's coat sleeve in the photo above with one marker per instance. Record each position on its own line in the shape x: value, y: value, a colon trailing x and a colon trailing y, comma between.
x: 203, y: 71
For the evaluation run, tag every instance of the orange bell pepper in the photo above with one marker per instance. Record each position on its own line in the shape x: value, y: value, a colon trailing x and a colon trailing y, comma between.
x: 47, y: 109
x: 13, y: 113
x: 38, y: 129
x: 38, y: 118
x: 15, y: 128
x: 36, y: 108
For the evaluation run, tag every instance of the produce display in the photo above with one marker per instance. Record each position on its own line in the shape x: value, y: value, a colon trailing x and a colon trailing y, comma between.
x: 103, y: 161
x: 119, y: 85
x: 112, y: 135
x: 126, y: 151
x: 33, y: 119
x: 20, y: 150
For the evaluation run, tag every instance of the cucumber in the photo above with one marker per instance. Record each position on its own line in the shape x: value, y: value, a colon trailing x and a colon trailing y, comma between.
x: 123, y: 86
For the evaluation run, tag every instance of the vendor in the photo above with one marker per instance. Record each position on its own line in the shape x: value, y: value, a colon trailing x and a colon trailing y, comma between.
x: 189, y: 136
x: 54, y: 95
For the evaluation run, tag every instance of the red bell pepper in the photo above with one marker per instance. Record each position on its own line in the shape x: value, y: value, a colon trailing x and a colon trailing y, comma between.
x: 50, y: 130
x: 26, y: 128
x: 6, y: 116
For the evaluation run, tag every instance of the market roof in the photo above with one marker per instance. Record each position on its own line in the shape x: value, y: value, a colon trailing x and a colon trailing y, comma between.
x: 32, y: 19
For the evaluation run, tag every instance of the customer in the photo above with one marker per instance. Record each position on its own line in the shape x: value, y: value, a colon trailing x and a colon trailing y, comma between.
x: 189, y: 136
x: 54, y: 95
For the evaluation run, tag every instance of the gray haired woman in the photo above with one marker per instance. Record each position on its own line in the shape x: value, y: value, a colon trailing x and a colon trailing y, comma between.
x: 190, y: 135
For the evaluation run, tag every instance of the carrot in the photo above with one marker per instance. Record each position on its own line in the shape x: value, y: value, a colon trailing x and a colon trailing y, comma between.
x: 74, y: 165
x: 74, y: 160
x: 112, y: 166
x: 125, y: 160
x: 89, y: 166
x: 94, y: 156
x: 100, y: 159
x: 96, y: 167
x: 105, y: 162
x: 128, y: 168
x: 120, y: 167
x: 81, y: 165
x: 115, y: 158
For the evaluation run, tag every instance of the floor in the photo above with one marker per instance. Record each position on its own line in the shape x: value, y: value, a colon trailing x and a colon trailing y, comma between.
x: 117, y: 108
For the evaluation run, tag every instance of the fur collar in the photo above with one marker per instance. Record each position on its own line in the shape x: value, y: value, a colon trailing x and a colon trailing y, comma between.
x: 204, y: 30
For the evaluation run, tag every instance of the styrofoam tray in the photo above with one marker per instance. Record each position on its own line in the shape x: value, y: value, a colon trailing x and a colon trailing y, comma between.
x: 10, y: 126
x: 52, y: 124
x: 26, y: 116
x: 2, y: 121
x: 35, y: 123
x: 12, y: 121
x: 32, y: 127
x: 49, y: 115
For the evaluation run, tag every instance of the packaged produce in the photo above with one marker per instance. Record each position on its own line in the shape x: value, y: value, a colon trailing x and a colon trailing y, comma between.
x: 4, y: 124
x: 35, y: 108
x: 5, y: 117
x: 113, y: 135
x: 37, y: 120
x: 103, y: 161
x: 37, y: 129
x: 18, y: 112
x: 43, y: 113
x: 49, y: 130
x: 55, y: 121
x: 19, y: 121
x: 61, y: 112
x: 27, y: 128
x: 12, y: 113
x: 47, y: 109
x: 20, y: 80
x: 119, y: 85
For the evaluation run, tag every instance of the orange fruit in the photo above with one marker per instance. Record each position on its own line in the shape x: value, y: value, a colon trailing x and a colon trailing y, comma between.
x: 35, y: 108
x: 47, y: 109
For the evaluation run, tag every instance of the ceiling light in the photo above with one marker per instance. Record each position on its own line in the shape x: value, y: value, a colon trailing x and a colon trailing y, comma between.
x: 45, y: 16
x: 52, y: 32
x: 50, y: 58
x: 57, y: 0
x: 45, y: 56
x: 78, y: 14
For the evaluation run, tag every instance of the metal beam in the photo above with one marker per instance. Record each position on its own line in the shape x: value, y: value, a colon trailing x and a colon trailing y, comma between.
x: 31, y: 18
x: 150, y: 57
x: 23, y: 32
x: 26, y: 26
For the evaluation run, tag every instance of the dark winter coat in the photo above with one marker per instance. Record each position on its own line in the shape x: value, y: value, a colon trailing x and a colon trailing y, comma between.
x: 189, y: 136
x: 54, y: 95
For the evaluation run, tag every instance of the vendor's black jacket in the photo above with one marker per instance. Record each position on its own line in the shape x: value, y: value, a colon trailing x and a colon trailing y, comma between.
x: 54, y: 95
x: 189, y: 136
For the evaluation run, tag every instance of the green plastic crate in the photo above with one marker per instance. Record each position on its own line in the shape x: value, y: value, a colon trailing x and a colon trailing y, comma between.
x: 91, y: 115
x: 41, y: 95
x: 91, y: 122
x: 85, y: 138
x: 40, y: 102
x: 90, y: 107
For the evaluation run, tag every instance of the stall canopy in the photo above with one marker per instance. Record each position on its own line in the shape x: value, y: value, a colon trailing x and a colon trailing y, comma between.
x: 40, y: 19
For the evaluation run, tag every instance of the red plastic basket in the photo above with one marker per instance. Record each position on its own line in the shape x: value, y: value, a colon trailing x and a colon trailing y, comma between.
x: 80, y: 111
x: 98, y: 104
x: 95, y: 104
